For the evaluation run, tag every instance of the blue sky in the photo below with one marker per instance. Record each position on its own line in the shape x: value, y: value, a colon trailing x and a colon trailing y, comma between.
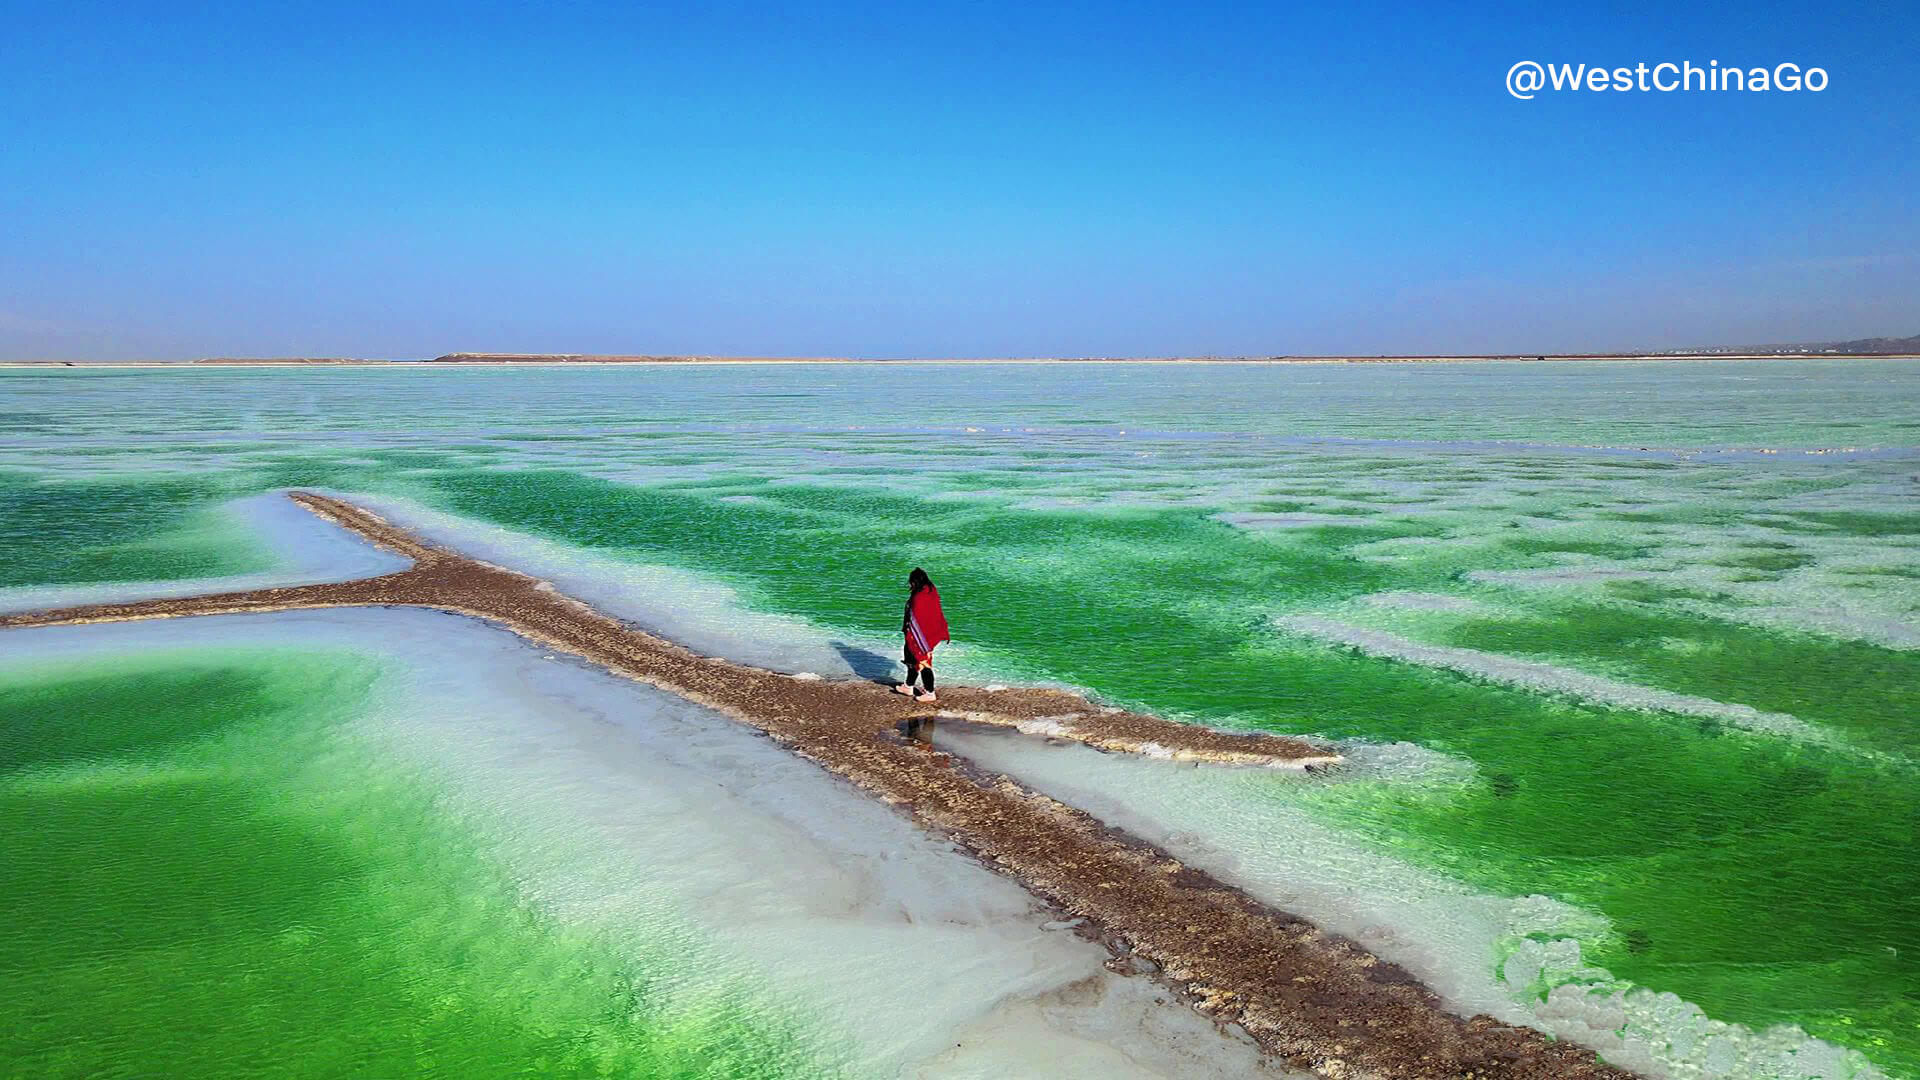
x: 942, y: 180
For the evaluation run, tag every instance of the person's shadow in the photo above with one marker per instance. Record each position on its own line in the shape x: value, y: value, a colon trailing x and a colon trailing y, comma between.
x: 868, y: 664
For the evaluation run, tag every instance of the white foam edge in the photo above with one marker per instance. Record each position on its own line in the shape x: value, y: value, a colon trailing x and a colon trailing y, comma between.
x: 688, y: 607
x: 1515, y: 958
x: 683, y: 606
x: 1553, y: 679
x: 306, y: 551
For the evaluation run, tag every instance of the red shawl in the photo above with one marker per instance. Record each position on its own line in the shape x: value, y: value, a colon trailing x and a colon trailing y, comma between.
x: 926, y: 624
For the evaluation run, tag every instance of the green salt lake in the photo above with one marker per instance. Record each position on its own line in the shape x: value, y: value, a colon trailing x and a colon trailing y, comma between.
x: 1626, y: 657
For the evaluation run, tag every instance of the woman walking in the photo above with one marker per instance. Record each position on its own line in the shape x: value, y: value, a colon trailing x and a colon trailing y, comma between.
x: 924, y: 626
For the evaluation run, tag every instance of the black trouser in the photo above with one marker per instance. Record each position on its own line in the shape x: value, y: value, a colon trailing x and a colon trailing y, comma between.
x: 925, y: 666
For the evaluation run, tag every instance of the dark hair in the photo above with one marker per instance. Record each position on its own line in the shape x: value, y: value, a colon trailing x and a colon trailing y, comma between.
x: 918, y: 580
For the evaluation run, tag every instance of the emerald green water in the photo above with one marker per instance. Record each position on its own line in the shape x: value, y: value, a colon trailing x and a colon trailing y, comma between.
x: 150, y: 529
x: 1135, y: 532
x: 205, y: 878
x: 1767, y: 882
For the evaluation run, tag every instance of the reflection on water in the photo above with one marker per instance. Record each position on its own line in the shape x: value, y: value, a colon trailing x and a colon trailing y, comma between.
x: 919, y: 729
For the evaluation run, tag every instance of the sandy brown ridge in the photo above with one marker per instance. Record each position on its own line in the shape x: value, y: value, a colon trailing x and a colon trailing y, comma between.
x: 1313, y: 999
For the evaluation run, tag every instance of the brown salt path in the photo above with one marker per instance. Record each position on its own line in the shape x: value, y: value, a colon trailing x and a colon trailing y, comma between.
x: 1314, y: 1000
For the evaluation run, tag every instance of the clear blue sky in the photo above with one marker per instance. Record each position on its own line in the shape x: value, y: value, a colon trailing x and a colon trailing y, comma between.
x: 923, y: 180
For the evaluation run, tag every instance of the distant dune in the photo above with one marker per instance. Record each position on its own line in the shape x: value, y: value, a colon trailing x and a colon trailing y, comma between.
x: 587, y: 358
x: 282, y: 360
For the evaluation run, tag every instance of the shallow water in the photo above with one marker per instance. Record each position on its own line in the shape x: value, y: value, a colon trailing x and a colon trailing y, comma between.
x: 1660, y: 623
x: 204, y: 880
x: 383, y: 841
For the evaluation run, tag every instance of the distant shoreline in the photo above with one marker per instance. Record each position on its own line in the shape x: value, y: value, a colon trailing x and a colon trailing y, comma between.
x: 546, y: 361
